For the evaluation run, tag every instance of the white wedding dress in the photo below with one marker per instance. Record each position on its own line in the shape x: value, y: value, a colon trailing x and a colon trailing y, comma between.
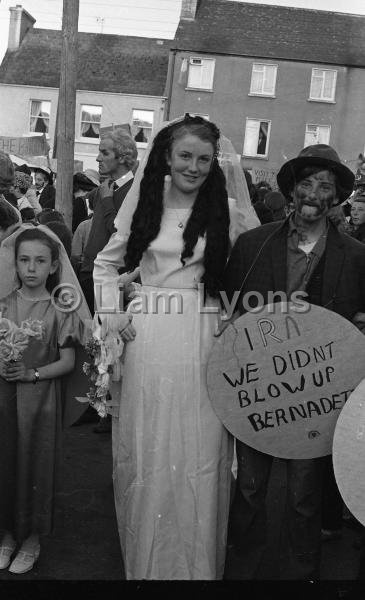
x: 173, y: 457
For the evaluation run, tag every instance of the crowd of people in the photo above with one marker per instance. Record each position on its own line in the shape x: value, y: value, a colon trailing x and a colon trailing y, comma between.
x: 183, y: 217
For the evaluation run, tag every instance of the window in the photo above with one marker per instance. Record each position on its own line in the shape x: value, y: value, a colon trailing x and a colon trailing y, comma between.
x: 90, y: 121
x: 39, y: 116
x: 263, y: 79
x: 317, y: 134
x: 142, y: 123
x: 256, y: 137
x: 201, y: 73
x: 323, y: 85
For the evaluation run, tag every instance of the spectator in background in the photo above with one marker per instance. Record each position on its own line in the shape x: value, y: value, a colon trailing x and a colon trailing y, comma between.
x: 19, y: 189
x: 28, y: 215
x: 30, y: 193
x: 262, y: 211
x: 276, y: 202
x: 63, y: 233
x: 83, y: 184
x: 50, y: 214
x: 117, y: 159
x: 46, y: 193
x: 81, y: 234
x: 11, y: 198
x: 358, y: 217
x: 9, y: 216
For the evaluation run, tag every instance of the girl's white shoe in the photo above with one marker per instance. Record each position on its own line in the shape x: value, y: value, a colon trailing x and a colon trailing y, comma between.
x: 6, y: 551
x: 24, y: 561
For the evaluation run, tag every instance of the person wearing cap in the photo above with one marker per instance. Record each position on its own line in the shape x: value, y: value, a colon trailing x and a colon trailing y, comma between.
x: 304, y: 252
x: 46, y: 193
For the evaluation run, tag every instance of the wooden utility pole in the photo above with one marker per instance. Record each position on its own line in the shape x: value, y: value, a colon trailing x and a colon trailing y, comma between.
x: 66, y: 110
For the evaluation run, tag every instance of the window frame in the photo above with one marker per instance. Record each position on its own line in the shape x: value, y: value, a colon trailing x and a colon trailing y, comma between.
x: 202, y: 89
x: 259, y: 120
x: 316, y: 125
x: 82, y: 138
x: 35, y: 133
x: 262, y: 93
x: 322, y: 99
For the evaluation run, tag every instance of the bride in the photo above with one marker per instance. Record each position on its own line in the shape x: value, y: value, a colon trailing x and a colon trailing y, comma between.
x: 172, y: 458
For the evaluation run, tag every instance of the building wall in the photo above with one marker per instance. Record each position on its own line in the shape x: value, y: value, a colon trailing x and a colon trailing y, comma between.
x: 117, y: 109
x: 229, y: 104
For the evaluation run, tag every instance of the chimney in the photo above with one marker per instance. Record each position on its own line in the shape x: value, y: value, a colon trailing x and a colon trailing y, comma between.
x: 188, y: 9
x: 20, y: 23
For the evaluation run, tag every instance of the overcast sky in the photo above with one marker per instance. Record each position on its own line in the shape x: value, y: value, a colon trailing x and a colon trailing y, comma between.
x: 150, y: 18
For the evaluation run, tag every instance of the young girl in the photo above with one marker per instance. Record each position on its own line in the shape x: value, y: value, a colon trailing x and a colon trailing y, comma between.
x: 32, y: 260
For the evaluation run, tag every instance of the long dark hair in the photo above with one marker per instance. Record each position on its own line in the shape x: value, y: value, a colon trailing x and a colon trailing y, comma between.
x: 210, y: 212
x: 30, y: 235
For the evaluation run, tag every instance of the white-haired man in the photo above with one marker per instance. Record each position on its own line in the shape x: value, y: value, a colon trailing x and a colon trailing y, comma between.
x: 117, y: 159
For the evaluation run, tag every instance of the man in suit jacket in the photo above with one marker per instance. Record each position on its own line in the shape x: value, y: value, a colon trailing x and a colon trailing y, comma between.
x: 117, y: 159
x: 303, y: 253
x: 45, y: 192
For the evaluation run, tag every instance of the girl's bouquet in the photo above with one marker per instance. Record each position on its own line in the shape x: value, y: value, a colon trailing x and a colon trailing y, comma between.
x: 14, y: 339
x: 104, y: 350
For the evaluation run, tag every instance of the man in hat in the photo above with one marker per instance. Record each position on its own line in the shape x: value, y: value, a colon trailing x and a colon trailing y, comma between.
x: 46, y: 194
x: 304, y: 252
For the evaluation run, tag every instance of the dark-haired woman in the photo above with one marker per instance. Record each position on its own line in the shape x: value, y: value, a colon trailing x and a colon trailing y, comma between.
x: 172, y: 456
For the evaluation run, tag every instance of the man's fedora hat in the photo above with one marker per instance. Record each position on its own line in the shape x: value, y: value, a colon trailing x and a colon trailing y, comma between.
x: 319, y: 155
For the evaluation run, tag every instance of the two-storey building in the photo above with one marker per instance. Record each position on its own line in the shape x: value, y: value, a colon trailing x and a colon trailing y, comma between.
x: 120, y: 80
x: 274, y: 78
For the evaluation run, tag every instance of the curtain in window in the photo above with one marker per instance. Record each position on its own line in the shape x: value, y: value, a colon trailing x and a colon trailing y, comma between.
x: 328, y: 84
x: 35, y: 111
x: 251, y: 137
x: 269, y: 82
x: 257, y: 79
x: 90, y: 123
x: 201, y: 76
x: 316, y: 84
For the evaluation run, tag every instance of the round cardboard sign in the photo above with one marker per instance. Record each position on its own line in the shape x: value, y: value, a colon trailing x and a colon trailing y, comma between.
x: 349, y: 452
x: 279, y: 378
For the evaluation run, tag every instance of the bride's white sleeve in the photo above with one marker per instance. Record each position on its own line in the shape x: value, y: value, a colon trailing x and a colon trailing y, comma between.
x: 106, y: 276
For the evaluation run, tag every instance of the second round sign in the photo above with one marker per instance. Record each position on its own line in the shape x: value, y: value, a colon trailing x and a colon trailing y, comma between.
x: 278, y: 379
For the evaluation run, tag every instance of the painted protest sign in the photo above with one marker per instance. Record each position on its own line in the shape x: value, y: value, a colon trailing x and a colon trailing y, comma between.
x: 349, y: 452
x: 279, y: 378
x: 25, y: 146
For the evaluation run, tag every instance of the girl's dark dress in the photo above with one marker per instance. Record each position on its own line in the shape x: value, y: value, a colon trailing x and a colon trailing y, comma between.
x: 31, y: 422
